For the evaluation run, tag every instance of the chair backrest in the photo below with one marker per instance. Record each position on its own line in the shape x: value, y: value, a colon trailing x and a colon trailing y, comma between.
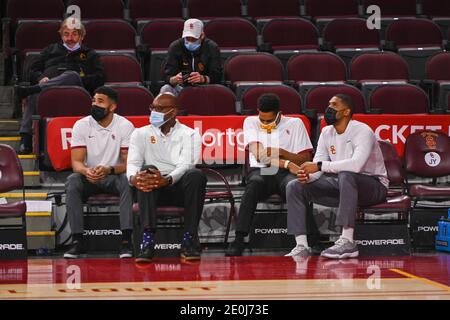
x: 232, y: 33
x: 393, y: 8
x: 436, y: 8
x: 399, y: 99
x: 351, y: 32
x: 253, y: 67
x: 290, y: 100
x: 324, y: 8
x: 437, y: 66
x: 36, y: 35
x: 427, y: 154
x: 378, y: 66
x: 320, y: 66
x: 121, y: 68
x: 64, y: 101
x: 392, y: 163
x: 110, y: 35
x: 160, y: 33
x: 43, y: 9
x: 267, y: 8
x: 414, y: 32
x: 11, y: 174
x: 201, y: 9
x: 291, y: 33
x: 212, y: 99
x: 99, y: 9
x: 133, y: 100
x: 318, y: 97
x: 143, y: 9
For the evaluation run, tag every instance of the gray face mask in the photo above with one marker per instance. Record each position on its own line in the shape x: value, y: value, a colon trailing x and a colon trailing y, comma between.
x: 75, y: 48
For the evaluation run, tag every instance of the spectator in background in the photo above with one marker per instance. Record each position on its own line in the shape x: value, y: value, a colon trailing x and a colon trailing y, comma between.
x: 66, y: 63
x: 161, y: 165
x: 348, y: 171
x: 99, y: 159
x: 192, y: 60
x: 273, y: 140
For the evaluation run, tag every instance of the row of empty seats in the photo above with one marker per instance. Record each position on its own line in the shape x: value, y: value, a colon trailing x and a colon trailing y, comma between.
x: 145, y: 9
x: 220, y: 100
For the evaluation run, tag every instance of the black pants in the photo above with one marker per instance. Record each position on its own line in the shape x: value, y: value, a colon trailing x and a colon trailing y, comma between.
x: 260, y: 187
x: 188, y: 192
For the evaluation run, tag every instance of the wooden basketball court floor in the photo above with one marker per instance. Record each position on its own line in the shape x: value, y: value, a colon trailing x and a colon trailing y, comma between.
x: 253, y: 277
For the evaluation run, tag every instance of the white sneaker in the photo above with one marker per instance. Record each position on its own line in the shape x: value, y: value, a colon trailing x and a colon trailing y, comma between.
x: 342, y: 249
x: 299, y: 250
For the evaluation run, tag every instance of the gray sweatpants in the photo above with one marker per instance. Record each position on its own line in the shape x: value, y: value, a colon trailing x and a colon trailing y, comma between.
x: 346, y: 191
x: 78, y: 189
x: 68, y: 78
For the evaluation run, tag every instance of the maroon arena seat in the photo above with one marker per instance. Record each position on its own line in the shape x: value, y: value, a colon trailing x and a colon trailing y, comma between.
x: 253, y: 67
x: 378, y: 66
x: 397, y: 200
x: 212, y: 99
x: 133, y: 100
x: 155, y: 9
x: 318, y: 97
x: 64, y: 101
x: 121, y: 68
x: 316, y: 67
x: 331, y: 8
x: 232, y: 33
x: 99, y: 9
x: 267, y: 9
x: 204, y: 10
x: 42, y: 10
x: 390, y: 8
x: 291, y: 34
x: 290, y: 101
x: 436, y: 8
x: 427, y: 155
x: 158, y: 34
x: 399, y: 99
x: 351, y: 33
x: 110, y: 35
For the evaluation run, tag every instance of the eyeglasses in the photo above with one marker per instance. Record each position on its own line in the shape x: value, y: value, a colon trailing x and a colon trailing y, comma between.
x: 160, y: 108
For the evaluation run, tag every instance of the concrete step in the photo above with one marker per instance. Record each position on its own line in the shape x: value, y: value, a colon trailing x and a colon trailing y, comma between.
x: 9, y: 127
x: 40, y: 239
x: 29, y: 162
x: 32, y: 178
x: 39, y: 221
x: 14, y: 142
x: 17, y: 195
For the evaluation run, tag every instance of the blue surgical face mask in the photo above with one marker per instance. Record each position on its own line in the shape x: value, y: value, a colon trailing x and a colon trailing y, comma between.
x: 192, y: 46
x: 157, y: 118
x: 75, y: 48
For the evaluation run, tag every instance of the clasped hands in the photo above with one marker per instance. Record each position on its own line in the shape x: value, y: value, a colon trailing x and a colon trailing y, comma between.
x: 149, y: 180
x: 96, y: 174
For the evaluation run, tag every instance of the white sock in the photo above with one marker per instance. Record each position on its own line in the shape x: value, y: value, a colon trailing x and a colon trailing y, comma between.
x: 302, y: 240
x: 347, y: 233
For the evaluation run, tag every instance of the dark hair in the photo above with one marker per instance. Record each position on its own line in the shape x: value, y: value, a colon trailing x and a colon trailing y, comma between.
x: 268, y: 102
x: 347, y: 101
x: 109, y: 92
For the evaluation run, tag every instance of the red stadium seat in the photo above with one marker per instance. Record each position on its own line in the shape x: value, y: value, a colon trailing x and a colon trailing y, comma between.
x: 266, y: 8
x: 99, y: 9
x: 121, y: 68
x: 232, y: 33
x: 318, y: 97
x: 110, y: 35
x: 210, y: 100
x: 133, y: 100
x: 290, y: 101
x: 155, y: 9
x: 202, y: 9
x: 390, y: 8
x: 399, y: 99
x: 64, y: 101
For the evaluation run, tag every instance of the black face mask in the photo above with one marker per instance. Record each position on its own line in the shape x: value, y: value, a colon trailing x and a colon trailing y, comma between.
x: 98, y: 113
x: 330, y: 116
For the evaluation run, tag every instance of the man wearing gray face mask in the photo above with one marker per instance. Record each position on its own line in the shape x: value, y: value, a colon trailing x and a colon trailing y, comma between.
x: 192, y: 60
x: 68, y: 63
x: 99, y: 152
x: 347, y: 171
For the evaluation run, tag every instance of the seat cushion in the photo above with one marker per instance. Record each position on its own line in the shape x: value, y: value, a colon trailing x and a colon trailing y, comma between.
x: 392, y: 203
x: 163, y: 210
x: 218, y: 195
x: 422, y: 190
x: 13, y: 210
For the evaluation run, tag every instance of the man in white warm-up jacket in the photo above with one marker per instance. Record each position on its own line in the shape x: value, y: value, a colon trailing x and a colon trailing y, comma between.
x: 347, y: 171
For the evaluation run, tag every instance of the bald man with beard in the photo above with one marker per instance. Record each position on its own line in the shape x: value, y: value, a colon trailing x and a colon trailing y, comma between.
x: 161, y: 166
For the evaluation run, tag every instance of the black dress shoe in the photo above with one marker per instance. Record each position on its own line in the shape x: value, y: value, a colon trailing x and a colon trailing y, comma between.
x: 24, y: 91
x: 190, y: 247
x: 235, y: 249
x: 147, y: 253
x: 26, y: 144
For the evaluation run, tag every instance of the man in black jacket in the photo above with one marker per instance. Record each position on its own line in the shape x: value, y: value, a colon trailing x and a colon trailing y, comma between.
x: 192, y: 59
x: 66, y: 63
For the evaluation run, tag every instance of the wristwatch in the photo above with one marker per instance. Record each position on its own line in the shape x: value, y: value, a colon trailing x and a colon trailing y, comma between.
x: 170, y: 179
x: 319, y: 165
x: 113, y: 171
